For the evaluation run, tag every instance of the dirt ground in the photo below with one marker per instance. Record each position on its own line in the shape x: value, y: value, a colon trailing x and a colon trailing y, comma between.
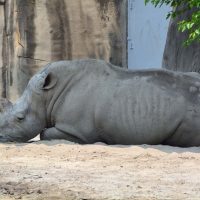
x: 59, y: 170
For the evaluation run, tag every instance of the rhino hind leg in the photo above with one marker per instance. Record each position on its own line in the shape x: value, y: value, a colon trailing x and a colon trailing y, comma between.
x: 55, y: 134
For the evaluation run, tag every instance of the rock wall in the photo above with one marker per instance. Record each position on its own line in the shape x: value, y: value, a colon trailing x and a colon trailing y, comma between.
x: 36, y: 32
x: 177, y: 56
x: 2, y: 74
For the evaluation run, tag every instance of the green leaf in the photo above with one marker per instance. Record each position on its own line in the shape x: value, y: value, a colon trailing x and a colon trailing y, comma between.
x: 192, y: 24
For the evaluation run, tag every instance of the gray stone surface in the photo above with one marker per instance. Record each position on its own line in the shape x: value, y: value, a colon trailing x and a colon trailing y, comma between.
x: 88, y: 101
x: 1, y: 45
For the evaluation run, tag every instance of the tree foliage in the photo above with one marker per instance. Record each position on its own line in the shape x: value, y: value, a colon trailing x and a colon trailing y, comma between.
x: 192, y: 24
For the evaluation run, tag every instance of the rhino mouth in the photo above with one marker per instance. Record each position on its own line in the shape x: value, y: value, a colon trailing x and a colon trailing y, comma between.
x: 7, y: 138
x: 4, y: 139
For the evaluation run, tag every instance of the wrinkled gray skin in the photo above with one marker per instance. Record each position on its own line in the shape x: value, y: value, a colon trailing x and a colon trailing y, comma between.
x: 89, y: 101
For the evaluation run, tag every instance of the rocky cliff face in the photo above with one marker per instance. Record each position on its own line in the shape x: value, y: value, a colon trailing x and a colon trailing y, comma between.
x: 177, y: 56
x: 36, y: 32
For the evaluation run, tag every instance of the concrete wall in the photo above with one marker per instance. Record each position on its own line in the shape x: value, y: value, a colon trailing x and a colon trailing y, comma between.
x: 2, y: 75
x: 37, y: 32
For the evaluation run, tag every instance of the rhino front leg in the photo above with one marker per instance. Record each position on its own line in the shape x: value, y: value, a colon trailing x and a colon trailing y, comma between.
x: 55, y: 134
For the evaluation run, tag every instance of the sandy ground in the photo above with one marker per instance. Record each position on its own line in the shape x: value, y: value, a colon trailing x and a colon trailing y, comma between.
x: 58, y: 170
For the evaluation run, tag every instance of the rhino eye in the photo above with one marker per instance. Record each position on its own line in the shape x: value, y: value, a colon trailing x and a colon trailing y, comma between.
x: 20, y: 116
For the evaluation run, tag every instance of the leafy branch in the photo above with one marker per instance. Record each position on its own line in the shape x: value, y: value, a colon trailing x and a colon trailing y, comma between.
x: 190, y: 25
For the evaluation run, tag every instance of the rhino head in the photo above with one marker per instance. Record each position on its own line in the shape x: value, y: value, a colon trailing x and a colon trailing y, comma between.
x: 26, y: 118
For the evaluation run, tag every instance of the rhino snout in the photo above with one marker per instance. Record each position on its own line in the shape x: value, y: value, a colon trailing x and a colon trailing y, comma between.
x: 4, y: 139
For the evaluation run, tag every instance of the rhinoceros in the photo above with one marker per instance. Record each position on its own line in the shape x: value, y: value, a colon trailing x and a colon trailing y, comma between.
x: 88, y: 101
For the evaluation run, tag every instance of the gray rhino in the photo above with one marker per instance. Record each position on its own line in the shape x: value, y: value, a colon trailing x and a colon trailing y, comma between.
x: 88, y: 101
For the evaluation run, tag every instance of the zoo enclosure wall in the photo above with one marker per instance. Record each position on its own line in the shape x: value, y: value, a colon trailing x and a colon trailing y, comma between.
x: 36, y: 32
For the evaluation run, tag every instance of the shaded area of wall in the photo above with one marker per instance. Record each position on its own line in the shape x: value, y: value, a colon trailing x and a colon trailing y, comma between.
x: 2, y: 67
x: 40, y: 31
x: 177, y: 56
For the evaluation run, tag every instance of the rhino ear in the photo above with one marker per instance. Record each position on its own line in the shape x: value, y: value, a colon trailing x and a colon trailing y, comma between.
x: 50, y: 81
x: 4, y: 104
